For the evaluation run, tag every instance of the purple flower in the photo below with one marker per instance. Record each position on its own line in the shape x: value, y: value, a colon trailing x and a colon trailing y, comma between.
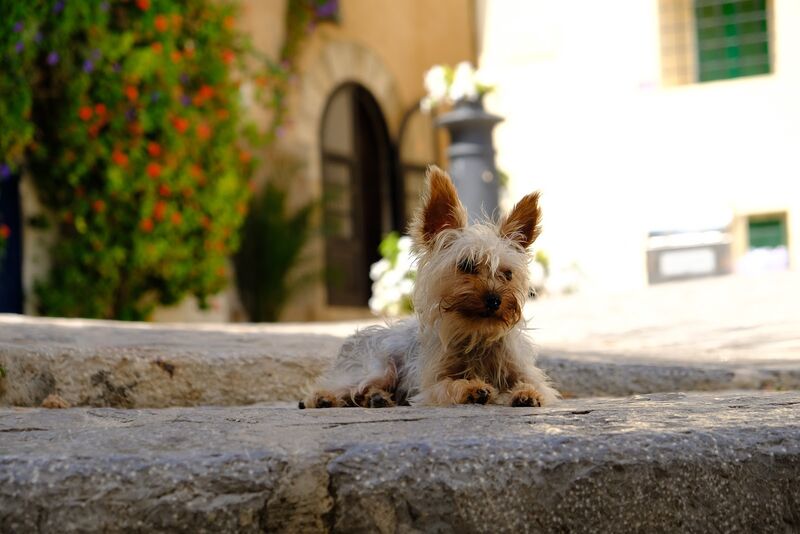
x: 328, y: 9
x: 88, y: 66
x: 155, y: 96
x: 186, y: 100
x: 184, y: 78
x: 19, y: 47
x: 117, y: 67
x: 131, y: 114
x: 58, y: 7
x: 103, y: 6
x: 18, y: 27
x: 96, y: 54
x: 52, y: 58
x: 38, y: 37
x: 5, y: 171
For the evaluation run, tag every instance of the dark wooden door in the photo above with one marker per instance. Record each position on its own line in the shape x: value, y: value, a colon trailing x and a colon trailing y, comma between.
x: 357, y: 192
x: 11, y: 256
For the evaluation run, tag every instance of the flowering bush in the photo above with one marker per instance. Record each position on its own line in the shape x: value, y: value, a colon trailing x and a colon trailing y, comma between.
x: 393, y: 277
x: 445, y: 85
x: 130, y: 118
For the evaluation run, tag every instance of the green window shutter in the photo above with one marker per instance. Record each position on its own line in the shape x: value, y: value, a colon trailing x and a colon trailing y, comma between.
x: 732, y: 38
x: 769, y: 233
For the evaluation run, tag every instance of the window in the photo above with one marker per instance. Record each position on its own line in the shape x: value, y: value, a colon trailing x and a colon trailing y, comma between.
x: 708, y: 40
x: 417, y: 149
x: 766, y: 231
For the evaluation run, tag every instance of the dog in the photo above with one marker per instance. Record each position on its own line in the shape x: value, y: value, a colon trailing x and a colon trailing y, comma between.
x: 466, y: 343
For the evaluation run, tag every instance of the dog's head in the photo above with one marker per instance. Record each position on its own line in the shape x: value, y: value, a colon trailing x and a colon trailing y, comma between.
x: 472, y: 279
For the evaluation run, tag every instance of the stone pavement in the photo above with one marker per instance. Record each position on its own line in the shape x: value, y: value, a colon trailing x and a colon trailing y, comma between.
x: 714, y: 334
x: 655, y: 463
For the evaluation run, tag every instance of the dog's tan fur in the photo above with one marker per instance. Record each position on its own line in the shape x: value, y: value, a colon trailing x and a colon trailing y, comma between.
x: 465, y: 344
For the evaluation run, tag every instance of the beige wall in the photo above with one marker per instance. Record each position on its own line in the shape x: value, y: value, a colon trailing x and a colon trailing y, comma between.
x: 616, y: 152
x: 386, y: 45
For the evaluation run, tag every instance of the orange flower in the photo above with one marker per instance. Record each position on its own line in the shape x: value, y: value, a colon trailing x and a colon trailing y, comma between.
x: 164, y: 190
x: 176, y: 19
x: 119, y: 158
x: 100, y: 109
x: 132, y: 93
x: 245, y: 156
x: 203, y: 131
x: 176, y: 56
x: 144, y: 5
x: 157, y: 47
x: 146, y: 225
x: 187, y: 192
x: 160, y: 210
x: 135, y: 128
x: 99, y: 206
x: 180, y: 124
x: 241, y: 208
x: 5, y: 231
x: 85, y: 113
x: 229, y: 22
x: 153, y: 170
x: 223, y: 114
x: 161, y: 23
x: 205, y: 222
x: 94, y: 129
x: 228, y: 56
x: 154, y: 149
x: 206, y: 92
x: 176, y: 218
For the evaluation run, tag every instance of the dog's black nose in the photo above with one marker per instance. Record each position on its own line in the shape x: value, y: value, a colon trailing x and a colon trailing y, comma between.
x: 492, y: 301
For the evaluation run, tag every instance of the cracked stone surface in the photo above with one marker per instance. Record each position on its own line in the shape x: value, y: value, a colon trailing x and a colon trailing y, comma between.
x: 662, y: 462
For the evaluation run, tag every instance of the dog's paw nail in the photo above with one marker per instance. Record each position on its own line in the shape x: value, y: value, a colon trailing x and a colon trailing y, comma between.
x: 378, y: 401
x: 525, y: 401
x: 301, y: 405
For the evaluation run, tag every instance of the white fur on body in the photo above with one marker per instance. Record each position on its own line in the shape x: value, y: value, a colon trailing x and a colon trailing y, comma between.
x: 367, y: 355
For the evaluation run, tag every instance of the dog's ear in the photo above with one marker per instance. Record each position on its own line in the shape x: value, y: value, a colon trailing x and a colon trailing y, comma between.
x: 440, y: 209
x: 523, y: 223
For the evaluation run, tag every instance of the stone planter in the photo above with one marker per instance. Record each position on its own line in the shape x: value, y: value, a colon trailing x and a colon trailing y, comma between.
x: 471, y: 155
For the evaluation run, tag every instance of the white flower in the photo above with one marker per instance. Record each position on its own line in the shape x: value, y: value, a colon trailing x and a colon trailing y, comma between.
x: 378, y: 268
x: 426, y: 105
x: 464, y: 84
x: 436, y: 84
x: 406, y: 286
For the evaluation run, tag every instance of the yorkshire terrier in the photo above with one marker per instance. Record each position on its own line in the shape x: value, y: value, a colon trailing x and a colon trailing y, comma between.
x: 466, y: 344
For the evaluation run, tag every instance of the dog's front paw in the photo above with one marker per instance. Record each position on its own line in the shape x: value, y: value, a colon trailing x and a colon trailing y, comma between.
x: 321, y: 399
x: 525, y: 396
x: 473, y: 392
x: 376, y: 398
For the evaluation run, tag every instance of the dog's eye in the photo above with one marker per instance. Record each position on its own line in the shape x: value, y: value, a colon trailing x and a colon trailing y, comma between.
x: 507, y: 274
x: 467, y: 266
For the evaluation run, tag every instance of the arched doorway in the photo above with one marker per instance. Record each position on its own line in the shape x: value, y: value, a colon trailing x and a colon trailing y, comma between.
x: 11, y: 296
x: 359, y: 191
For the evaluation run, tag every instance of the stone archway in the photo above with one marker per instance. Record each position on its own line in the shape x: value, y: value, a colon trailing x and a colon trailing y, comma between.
x: 336, y: 64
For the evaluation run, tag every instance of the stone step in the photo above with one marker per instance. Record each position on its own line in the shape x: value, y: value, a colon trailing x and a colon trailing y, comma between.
x: 106, y: 363
x: 654, y: 463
